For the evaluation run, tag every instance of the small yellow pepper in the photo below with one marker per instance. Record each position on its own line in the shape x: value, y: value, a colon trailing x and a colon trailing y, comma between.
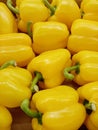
x: 89, y: 9
x: 22, y: 26
x: 5, y: 118
x: 84, y: 68
x: 89, y: 97
x: 14, y: 85
x: 49, y: 65
x: 84, y: 36
x: 56, y: 109
x: 65, y: 11
x: 8, y: 22
x: 16, y: 46
x: 49, y: 36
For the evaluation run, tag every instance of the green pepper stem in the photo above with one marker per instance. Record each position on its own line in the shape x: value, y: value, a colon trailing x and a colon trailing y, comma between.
x: 82, y: 13
x: 89, y: 105
x: 38, y: 77
x: 11, y: 7
x: 69, y: 69
x: 29, y: 31
x: 33, y: 114
x: 8, y: 63
x: 48, y: 5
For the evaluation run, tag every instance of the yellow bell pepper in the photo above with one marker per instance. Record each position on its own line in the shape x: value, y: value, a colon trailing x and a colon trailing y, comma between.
x: 89, y: 97
x: 49, y: 36
x: 16, y: 46
x: 11, y: 39
x: 8, y: 22
x: 29, y: 11
x: 5, y: 118
x: 89, y: 9
x: 65, y: 11
x: 84, y: 68
x: 49, y: 65
x: 14, y: 85
x: 84, y: 36
x: 56, y: 109
x: 21, y: 53
x: 33, y: 10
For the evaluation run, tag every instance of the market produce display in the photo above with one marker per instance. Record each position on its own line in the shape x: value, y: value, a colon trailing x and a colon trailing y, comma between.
x: 49, y: 63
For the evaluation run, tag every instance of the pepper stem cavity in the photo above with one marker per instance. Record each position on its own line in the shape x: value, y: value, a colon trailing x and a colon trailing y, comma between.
x: 29, y: 31
x: 8, y: 63
x: 67, y: 71
x: 89, y: 105
x: 49, y: 6
x: 33, y: 114
x: 38, y: 77
x: 11, y: 7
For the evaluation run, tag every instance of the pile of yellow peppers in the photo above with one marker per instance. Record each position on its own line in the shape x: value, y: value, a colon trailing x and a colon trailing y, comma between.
x: 49, y: 63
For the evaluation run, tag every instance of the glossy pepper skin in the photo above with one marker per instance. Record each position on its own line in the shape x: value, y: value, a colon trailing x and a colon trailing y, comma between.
x: 60, y: 109
x: 85, y: 67
x: 15, y: 38
x: 30, y: 11
x: 49, y: 36
x: 5, y: 118
x: 90, y: 9
x: 84, y: 36
x: 65, y: 11
x: 89, y: 92
x: 18, y: 2
x: 51, y: 64
x: 14, y: 86
x: 8, y: 22
x: 22, y: 26
x: 16, y: 46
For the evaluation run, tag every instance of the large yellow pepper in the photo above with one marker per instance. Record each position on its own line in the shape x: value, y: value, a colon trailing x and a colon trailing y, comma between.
x: 89, y: 97
x: 65, y: 11
x: 84, y: 36
x: 84, y: 68
x: 49, y: 36
x: 14, y: 85
x: 16, y: 46
x: 89, y: 9
x: 8, y: 22
x: 33, y: 10
x: 5, y: 118
x: 30, y: 10
x: 49, y: 65
x: 56, y: 109
x: 11, y: 39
